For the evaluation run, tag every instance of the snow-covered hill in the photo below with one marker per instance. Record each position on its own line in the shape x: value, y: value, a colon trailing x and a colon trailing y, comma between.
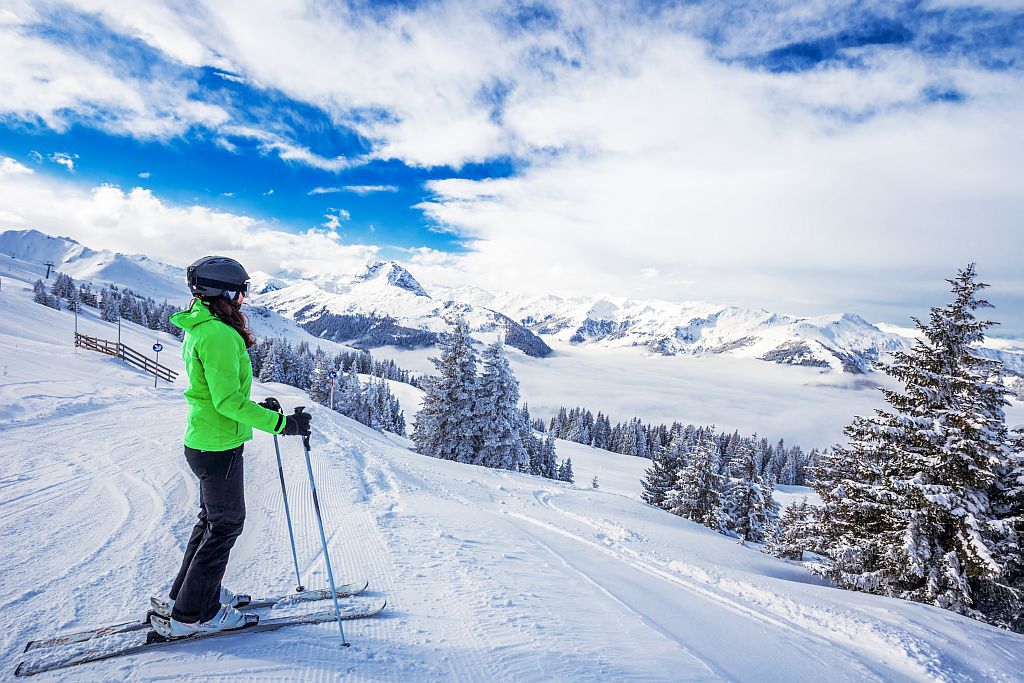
x: 489, y: 575
x: 139, y: 273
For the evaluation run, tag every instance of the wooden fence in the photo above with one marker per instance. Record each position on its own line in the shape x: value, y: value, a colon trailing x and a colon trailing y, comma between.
x: 125, y: 353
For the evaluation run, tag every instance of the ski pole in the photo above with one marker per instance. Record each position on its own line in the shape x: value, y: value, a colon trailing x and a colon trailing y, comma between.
x: 323, y: 537
x: 274, y: 404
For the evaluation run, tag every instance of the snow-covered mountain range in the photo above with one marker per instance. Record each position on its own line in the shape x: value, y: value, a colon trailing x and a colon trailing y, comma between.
x: 385, y: 305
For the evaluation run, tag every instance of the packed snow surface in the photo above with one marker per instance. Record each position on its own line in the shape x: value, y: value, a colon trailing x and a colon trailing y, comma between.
x: 489, y: 575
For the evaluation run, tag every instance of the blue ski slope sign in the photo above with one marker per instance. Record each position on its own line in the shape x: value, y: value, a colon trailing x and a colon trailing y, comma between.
x: 158, y: 347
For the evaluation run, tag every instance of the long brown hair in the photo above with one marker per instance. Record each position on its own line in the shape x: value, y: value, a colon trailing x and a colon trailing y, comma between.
x: 230, y: 313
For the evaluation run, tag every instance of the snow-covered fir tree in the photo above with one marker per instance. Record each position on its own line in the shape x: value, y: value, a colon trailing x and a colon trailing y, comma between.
x: 697, y: 493
x: 530, y: 441
x: 446, y: 425
x: 1001, y: 599
x: 548, y: 458
x: 909, y: 502
x: 793, y: 533
x: 41, y: 296
x: 565, y: 471
x: 108, y: 305
x: 749, y: 506
x: 661, y: 476
x: 499, y: 420
x: 274, y: 367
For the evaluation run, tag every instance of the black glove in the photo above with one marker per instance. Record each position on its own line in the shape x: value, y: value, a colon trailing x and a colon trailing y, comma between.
x: 297, y: 424
x: 271, y: 403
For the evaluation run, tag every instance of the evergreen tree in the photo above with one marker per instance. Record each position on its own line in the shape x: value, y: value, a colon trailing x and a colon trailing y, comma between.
x: 565, y: 471
x: 499, y: 421
x: 697, y: 494
x: 274, y: 365
x: 74, y: 302
x: 108, y: 306
x: 548, y: 458
x: 907, y: 509
x: 41, y: 296
x: 749, y: 506
x: 446, y: 427
x: 602, y: 431
x: 793, y: 533
x: 660, y: 477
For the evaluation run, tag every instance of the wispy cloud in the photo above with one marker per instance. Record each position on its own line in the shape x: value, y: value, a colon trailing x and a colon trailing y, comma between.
x: 145, y: 175
x: 334, y: 218
x: 323, y: 190
x: 64, y: 159
x: 288, y: 150
x: 369, y: 189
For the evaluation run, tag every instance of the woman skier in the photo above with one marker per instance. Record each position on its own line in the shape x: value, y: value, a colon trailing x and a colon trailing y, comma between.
x: 221, y: 417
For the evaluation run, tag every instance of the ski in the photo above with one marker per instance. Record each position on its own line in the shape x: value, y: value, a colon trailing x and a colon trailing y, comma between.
x: 344, y: 591
x: 154, y: 640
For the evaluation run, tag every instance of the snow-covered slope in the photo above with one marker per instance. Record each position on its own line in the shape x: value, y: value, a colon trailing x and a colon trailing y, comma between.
x: 489, y: 575
x: 138, y: 272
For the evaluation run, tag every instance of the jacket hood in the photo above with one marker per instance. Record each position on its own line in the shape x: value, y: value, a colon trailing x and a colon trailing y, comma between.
x: 196, y: 314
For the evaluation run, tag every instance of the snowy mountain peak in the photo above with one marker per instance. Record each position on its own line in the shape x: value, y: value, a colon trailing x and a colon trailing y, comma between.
x: 394, y: 274
x: 32, y: 245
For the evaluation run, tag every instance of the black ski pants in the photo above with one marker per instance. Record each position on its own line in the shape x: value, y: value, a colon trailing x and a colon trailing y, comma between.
x: 196, y: 589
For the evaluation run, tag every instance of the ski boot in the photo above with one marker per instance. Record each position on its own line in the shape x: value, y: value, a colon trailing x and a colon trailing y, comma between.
x: 163, y: 606
x: 227, y: 619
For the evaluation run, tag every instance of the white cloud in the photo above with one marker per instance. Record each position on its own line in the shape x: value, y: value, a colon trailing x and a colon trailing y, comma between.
x: 641, y: 152
x: 288, y: 150
x: 369, y: 189
x: 138, y: 221
x: 145, y: 175
x: 431, y: 258
x: 323, y: 190
x: 268, y: 192
x: 64, y: 159
x: 334, y: 218
x: 36, y: 157
x: 11, y: 167
x: 46, y: 82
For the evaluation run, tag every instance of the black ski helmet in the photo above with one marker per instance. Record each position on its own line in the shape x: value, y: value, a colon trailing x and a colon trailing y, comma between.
x: 217, y: 276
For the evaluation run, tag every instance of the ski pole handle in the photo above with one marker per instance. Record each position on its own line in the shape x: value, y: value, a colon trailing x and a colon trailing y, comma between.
x: 305, y: 437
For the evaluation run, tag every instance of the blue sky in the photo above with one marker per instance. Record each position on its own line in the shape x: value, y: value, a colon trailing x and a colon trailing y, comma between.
x: 784, y: 155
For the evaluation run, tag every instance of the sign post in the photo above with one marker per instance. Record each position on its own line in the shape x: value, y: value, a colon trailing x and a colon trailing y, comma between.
x: 158, y: 347
x: 333, y: 374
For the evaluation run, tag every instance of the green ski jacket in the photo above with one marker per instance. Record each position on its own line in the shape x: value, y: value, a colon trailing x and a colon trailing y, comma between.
x: 220, y: 413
